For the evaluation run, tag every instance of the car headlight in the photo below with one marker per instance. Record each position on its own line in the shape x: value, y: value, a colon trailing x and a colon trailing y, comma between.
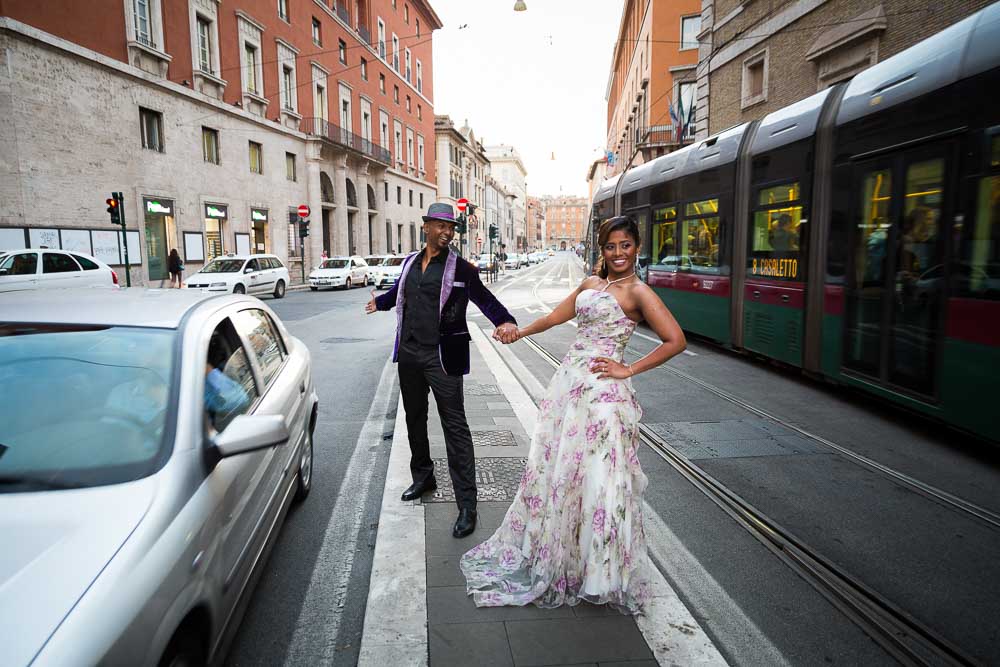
x: 217, y: 285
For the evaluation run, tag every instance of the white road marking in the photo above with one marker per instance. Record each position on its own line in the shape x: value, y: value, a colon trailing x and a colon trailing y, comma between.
x: 314, y: 640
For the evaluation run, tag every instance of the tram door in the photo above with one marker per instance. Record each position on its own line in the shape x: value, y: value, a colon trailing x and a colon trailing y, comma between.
x: 896, y: 282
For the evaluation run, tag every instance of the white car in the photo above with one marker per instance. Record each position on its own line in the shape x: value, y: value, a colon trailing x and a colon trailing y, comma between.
x: 242, y: 274
x: 343, y: 272
x: 43, y: 269
x: 387, y: 273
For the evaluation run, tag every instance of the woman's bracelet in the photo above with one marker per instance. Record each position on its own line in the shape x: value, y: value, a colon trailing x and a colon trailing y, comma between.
x: 630, y: 371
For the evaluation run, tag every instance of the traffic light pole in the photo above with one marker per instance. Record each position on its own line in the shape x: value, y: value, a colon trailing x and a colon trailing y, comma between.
x: 121, y: 218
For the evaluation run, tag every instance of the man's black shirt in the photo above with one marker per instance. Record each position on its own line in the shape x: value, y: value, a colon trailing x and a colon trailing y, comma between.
x: 423, y: 299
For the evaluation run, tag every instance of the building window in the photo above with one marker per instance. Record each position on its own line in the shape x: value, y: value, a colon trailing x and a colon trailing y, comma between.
x: 287, y: 87
x: 755, y: 79
x: 399, y: 194
x: 283, y: 10
x: 420, y: 153
x: 290, y: 167
x: 406, y: 14
x: 420, y: 77
x: 381, y: 39
x: 256, y: 158
x: 408, y: 103
x: 411, y: 197
x: 319, y: 102
x: 409, y: 147
x: 409, y: 76
x: 395, y: 53
x: 342, y: 50
x: 381, y: 83
x: 386, y: 184
x: 395, y: 94
x: 399, y: 143
x: 421, y: 201
x: 210, y: 145
x: 690, y: 27
x: 393, y: 5
x: 151, y: 126
x: 364, y: 69
x: 688, y: 113
x: 250, y: 63
x: 143, y: 34
x: 418, y: 26
x: 420, y: 112
x: 204, y: 45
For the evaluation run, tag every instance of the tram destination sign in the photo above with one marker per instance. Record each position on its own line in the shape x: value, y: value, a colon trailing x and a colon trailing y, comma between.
x: 770, y: 267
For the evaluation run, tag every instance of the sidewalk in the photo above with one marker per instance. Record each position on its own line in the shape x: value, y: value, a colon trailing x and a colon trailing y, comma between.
x: 418, y: 613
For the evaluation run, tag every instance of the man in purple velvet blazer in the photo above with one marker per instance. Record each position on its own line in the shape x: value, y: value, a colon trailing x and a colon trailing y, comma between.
x: 432, y: 352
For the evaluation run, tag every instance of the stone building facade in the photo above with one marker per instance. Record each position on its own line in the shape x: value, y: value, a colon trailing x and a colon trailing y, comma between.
x: 510, y: 175
x: 566, y: 221
x: 216, y: 121
x: 757, y: 57
x: 462, y: 171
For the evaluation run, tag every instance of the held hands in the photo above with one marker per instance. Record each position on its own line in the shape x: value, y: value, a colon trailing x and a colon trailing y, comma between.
x: 370, y: 306
x: 506, y: 333
x: 609, y: 368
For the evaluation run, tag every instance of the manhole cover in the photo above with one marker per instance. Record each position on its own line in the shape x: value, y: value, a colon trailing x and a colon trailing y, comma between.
x: 344, y: 340
x: 476, y: 389
x: 493, y: 439
x: 496, y: 479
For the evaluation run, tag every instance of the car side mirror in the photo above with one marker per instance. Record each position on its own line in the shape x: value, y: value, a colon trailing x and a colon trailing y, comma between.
x: 249, y: 433
x: 249, y: 269
x: 3, y: 272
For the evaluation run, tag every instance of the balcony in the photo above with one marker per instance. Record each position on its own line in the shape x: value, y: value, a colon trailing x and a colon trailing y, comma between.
x: 318, y: 127
x: 663, y: 136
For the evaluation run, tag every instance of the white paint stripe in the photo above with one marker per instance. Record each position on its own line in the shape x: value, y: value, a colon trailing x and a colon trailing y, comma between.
x: 314, y: 640
x: 672, y: 632
x: 395, y: 631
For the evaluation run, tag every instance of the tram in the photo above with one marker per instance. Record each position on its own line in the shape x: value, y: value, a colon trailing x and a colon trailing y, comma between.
x: 854, y: 234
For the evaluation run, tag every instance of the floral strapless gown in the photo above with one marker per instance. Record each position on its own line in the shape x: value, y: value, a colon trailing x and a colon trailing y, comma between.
x: 574, y: 530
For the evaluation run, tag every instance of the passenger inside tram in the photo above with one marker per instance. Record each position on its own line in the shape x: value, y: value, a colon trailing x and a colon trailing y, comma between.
x: 784, y: 235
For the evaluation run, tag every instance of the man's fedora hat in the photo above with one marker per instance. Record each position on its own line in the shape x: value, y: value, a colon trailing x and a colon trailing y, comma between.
x: 442, y: 212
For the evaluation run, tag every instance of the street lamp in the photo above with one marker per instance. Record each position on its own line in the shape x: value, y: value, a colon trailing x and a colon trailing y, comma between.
x: 519, y: 6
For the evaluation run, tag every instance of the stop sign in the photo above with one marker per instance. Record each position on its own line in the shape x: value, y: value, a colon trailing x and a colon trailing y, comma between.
x: 303, y: 211
x: 462, y: 204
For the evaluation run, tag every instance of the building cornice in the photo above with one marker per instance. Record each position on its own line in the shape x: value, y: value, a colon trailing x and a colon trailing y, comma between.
x: 763, y: 31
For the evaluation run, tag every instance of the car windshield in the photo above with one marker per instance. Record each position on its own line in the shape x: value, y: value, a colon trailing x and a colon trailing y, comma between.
x: 82, y: 405
x: 223, y: 266
x: 393, y: 261
x: 334, y: 264
x: 373, y: 261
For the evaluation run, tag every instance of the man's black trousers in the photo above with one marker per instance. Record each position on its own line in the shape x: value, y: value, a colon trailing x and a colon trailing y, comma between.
x: 420, y: 372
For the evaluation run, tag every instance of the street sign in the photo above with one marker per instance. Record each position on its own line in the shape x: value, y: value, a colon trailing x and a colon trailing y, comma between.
x: 462, y: 204
x: 303, y: 211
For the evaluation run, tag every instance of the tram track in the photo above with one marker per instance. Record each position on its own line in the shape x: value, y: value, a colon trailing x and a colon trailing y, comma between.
x: 907, y: 639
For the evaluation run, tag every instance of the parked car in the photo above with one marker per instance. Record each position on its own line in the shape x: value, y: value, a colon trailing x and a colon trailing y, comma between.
x: 37, y: 268
x: 387, y: 273
x: 242, y: 274
x: 485, y: 262
x: 345, y: 272
x: 153, y: 441
x: 537, y: 257
x: 374, y: 260
x: 513, y: 261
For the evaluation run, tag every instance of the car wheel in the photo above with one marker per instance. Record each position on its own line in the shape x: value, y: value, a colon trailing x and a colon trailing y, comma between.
x: 279, y: 289
x: 184, y: 650
x: 313, y: 288
x: 347, y: 285
x: 304, y: 474
x: 239, y: 289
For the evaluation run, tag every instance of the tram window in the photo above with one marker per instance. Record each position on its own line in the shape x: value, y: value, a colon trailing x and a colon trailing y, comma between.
x: 873, y: 228
x: 665, y: 236
x: 700, y: 237
x: 776, y: 234
x: 980, y: 271
x: 920, y: 228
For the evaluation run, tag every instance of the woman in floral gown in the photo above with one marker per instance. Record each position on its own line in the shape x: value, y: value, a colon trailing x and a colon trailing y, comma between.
x: 574, y: 530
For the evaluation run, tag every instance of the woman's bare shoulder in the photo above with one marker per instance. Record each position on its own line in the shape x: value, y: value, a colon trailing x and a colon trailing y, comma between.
x: 591, y: 282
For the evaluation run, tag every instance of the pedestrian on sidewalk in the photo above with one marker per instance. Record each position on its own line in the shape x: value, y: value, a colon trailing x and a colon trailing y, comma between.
x: 432, y: 351
x: 574, y: 530
x: 175, y: 266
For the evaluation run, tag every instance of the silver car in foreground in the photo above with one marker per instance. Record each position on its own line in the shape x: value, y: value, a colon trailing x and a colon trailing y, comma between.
x: 151, y: 443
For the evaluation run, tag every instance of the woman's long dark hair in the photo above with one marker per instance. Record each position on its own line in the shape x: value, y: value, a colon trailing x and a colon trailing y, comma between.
x: 174, y: 254
x: 621, y: 223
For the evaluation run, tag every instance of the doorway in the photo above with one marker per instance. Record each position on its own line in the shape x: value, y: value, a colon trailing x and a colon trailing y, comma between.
x: 326, y: 232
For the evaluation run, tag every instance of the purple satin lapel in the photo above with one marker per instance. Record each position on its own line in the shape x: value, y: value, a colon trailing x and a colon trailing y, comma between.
x: 401, y: 299
x: 447, y: 280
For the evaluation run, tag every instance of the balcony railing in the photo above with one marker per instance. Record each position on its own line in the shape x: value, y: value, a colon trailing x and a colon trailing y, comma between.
x: 664, y: 135
x: 318, y: 127
x: 145, y: 40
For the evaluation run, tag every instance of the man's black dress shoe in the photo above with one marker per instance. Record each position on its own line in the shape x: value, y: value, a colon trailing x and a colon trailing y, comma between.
x: 418, y: 489
x: 466, y: 522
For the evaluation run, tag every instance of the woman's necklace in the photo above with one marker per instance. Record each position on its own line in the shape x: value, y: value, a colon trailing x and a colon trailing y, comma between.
x: 617, y: 280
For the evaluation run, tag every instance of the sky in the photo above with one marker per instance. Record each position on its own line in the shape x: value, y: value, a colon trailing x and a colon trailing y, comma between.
x: 534, y: 80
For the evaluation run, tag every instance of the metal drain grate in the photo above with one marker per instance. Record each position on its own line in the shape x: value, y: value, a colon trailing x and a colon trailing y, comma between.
x: 493, y: 439
x: 476, y: 389
x: 497, y: 479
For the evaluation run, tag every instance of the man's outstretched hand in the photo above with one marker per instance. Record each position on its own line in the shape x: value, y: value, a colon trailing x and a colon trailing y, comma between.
x: 506, y: 333
x: 370, y: 306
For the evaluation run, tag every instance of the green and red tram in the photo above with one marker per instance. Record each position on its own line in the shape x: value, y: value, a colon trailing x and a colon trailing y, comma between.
x: 854, y: 234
